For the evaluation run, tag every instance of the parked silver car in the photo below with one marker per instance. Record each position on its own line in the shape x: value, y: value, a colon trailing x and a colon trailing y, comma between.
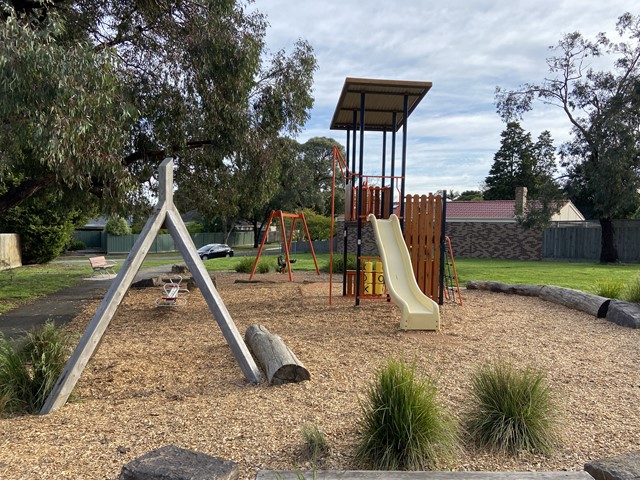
x: 215, y: 250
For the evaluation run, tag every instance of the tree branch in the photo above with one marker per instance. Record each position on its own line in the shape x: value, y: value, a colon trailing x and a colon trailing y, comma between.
x: 17, y: 194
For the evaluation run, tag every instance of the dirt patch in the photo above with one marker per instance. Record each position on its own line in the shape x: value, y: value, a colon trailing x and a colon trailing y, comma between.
x: 166, y: 376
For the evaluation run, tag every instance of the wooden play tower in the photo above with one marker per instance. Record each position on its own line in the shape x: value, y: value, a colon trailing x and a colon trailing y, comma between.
x: 384, y: 106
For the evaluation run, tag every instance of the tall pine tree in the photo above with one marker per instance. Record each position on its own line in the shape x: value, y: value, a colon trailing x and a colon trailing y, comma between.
x: 520, y: 163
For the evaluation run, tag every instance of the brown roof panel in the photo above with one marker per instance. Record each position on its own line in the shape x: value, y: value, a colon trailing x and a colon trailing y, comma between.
x: 382, y: 98
x: 488, y: 209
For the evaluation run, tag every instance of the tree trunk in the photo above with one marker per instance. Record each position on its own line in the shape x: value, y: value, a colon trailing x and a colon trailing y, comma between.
x: 256, y: 234
x: 608, y: 249
x: 276, y: 359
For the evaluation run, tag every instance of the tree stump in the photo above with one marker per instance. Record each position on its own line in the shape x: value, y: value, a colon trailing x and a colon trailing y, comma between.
x: 276, y: 359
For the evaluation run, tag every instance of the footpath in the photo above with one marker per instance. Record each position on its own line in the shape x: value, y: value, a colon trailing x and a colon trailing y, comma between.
x: 62, y: 306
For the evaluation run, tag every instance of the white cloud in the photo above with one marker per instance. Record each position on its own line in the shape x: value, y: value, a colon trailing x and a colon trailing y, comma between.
x: 465, y: 48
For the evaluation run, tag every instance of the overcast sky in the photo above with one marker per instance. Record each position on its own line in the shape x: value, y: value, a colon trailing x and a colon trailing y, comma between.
x: 465, y: 48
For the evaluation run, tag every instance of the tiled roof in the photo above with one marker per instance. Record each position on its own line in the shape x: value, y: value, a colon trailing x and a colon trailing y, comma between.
x: 490, y: 209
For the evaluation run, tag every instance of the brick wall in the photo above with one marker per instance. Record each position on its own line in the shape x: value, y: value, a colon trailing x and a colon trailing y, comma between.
x: 494, y: 240
x: 368, y: 243
x: 468, y: 240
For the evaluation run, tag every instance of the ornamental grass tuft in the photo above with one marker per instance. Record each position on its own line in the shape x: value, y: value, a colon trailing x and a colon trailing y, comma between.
x: 403, y: 426
x: 315, y: 442
x: 512, y: 410
x: 631, y: 291
x: 29, y: 368
x: 608, y: 288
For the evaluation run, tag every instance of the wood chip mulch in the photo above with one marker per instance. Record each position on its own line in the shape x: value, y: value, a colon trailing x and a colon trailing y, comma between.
x: 166, y: 376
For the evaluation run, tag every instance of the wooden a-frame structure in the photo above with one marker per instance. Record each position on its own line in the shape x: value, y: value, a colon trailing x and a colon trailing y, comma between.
x: 165, y: 213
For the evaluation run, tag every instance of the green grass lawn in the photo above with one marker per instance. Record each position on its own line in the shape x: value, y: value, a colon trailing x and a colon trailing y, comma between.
x: 303, y: 261
x: 578, y: 275
x: 20, y: 285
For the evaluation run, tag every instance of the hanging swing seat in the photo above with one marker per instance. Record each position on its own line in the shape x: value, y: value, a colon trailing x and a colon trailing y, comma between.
x: 282, y: 263
x: 171, y: 294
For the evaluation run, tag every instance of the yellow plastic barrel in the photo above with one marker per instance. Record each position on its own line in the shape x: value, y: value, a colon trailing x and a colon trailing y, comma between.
x: 368, y: 278
x: 379, y: 284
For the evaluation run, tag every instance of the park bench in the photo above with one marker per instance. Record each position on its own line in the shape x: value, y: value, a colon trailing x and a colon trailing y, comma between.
x: 100, y: 264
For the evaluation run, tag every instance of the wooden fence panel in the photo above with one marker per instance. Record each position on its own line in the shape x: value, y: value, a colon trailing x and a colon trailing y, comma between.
x: 376, y: 200
x: 422, y: 231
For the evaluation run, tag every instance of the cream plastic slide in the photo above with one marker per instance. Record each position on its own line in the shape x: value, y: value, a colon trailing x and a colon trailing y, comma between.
x: 418, y: 311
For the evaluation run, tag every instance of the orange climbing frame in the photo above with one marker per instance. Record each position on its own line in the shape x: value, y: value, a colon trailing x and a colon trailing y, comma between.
x: 285, y: 240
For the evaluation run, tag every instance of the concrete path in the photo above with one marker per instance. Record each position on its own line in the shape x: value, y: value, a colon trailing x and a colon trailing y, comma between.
x: 64, y: 305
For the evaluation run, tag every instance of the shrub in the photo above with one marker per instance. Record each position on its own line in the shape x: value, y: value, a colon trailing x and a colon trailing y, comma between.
x: 29, y: 368
x: 194, y: 227
x: 44, y: 232
x: 315, y: 442
x: 319, y: 225
x: 264, y: 265
x: 403, y: 425
x: 117, y: 226
x: 608, y: 288
x: 338, y: 262
x: 76, y: 244
x: 631, y: 291
x: 512, y: 410
x: 245, y: 264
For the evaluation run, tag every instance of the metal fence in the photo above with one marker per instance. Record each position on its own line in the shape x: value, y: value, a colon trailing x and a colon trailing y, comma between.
x: 162, y: 242
x: 582, y: 241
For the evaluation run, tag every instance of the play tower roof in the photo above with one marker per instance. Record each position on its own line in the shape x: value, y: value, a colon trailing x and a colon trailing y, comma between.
x: 383, y: 98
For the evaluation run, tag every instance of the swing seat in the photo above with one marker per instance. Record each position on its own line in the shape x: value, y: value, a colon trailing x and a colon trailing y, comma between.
x: 171, y: 294
x: 282, y: 264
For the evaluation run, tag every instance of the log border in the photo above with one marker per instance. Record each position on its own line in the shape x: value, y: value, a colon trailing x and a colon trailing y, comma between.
x: 625, y: 314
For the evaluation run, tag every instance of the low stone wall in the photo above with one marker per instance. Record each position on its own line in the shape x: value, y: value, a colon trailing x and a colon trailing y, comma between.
x: 494, y: 240
x: 9, y: 251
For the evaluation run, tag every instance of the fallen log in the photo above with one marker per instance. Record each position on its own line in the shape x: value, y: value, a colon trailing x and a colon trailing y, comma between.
x: 585, y: 302
x: 276, y: 359
x: 525, y: 290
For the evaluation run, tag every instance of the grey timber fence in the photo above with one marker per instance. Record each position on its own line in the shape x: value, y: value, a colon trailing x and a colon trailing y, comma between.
x: 582, y: 241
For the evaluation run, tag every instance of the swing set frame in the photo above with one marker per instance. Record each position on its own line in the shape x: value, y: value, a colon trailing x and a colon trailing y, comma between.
x: 279, y: 214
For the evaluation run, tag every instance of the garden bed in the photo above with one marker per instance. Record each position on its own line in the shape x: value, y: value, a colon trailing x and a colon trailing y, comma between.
x: 166, y: 376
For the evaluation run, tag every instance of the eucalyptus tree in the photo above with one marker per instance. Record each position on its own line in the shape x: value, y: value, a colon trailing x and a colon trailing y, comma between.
x: 97, y: 92
x: 603, y: 108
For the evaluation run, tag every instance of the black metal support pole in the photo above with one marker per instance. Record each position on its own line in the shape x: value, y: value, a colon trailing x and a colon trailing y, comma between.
x: 394, y: 122
x: 344, y: 226
x: 384, y: 154
x: 384, y: 167
x: 405, y: 115
x: 353, y: 144
x: 359, y: 206
x: 442, y: 247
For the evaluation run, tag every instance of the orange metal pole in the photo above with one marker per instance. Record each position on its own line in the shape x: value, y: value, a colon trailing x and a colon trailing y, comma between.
x: 286, y: 245
x: 313, y: 253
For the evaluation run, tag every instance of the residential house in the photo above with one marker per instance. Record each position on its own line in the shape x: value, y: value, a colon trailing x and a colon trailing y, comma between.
x: 489, y: 229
